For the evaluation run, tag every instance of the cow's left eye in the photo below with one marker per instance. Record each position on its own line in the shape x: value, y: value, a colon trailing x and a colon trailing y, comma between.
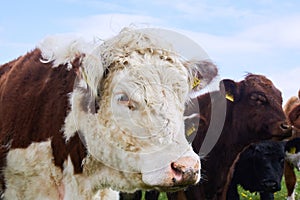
x: 123, y: 99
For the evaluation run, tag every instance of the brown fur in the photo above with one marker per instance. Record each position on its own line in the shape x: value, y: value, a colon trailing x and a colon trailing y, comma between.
x: 290, y: 178
x: 34, y: 99
x: 247, y: 121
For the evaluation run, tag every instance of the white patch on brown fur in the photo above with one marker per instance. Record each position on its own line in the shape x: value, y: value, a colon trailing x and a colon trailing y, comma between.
x: 292, y: 197
x: 31, y: 174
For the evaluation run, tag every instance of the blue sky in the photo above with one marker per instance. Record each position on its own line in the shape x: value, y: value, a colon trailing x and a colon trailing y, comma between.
x: 261, y: 36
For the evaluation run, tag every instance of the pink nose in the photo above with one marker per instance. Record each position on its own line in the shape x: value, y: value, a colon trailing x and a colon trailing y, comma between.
x: 185, y: 171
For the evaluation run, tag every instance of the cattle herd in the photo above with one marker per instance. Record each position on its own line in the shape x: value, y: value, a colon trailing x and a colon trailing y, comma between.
x: 108, y: 120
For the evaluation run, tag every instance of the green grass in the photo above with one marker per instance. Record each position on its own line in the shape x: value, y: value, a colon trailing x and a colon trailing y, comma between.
x: 245, y: 195
x: 280, y: 195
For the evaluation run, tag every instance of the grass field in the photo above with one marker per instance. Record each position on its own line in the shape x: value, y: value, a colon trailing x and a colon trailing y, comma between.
x: 280, y: 195
x: 245, y: 195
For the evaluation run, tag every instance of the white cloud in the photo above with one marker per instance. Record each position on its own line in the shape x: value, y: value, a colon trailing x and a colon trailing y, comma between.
x: 226, y: 44
x: 280, y: 32
x: 287, y: 81
x: 202, y: 10
x: 107, y: 25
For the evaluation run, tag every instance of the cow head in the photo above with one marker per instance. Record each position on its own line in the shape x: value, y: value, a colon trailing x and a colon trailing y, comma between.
x: 128, y: 106
x: 267, y: 158
x: 261, y: 104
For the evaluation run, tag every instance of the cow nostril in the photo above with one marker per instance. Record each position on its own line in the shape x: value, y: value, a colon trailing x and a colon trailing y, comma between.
x: 176, y: 168
x: 270, y: 185
x: 185, y: 171
x: 177, y: 172
x: 285, y: 126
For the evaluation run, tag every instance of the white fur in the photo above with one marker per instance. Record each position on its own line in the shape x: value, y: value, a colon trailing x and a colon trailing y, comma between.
x: 106, y: 194
x: 292, y: 197
x: 61, y: 49
x: 124, y: 142
x: 139, y: 150
x: 31, y: 174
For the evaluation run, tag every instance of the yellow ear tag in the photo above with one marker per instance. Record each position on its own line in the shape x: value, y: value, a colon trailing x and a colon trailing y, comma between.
x: 229, y: 97
x: 196, y: 82
x: 190, y: 131
x: 292, y: 150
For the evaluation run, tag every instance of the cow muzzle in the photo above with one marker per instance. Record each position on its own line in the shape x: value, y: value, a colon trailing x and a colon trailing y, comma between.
x: 270, y: 185
x: 175, y: 175
x: 185, y: 171
x: 284, y: 131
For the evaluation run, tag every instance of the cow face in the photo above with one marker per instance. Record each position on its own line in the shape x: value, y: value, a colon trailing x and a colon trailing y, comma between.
x: 268, y: 162
x: 137, y: 125
x: 261, y: 104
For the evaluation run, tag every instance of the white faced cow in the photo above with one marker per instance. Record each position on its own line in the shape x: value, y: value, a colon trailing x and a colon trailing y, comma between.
x: 77, y: 117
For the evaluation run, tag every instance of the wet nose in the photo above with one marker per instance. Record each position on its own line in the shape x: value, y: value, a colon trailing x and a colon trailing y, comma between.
x: 271, y: 186
x: 185, y: 171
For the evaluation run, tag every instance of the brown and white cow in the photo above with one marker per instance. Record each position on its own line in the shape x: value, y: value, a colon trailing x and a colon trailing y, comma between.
x: 292, y: 160
x: 76, y: 117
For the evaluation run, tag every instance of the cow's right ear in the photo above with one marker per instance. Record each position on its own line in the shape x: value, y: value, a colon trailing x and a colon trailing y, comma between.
x: 230, y: 89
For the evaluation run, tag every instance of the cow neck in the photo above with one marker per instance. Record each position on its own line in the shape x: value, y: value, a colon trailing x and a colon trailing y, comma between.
x: 226, y: 150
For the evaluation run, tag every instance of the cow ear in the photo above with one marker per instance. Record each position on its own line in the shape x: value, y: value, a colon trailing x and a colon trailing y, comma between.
x: 231, y: 89
x: 257, y: 148
x: 202, y: 73
x: 252, y: 150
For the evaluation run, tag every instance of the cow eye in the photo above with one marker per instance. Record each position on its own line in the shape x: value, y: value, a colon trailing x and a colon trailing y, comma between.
x: 258, y: 98
x: 123, y: 99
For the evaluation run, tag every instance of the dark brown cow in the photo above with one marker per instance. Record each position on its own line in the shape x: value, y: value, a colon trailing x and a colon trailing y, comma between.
x: 292, y: 110
x: 78, y: 119
x: 254, y: 112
